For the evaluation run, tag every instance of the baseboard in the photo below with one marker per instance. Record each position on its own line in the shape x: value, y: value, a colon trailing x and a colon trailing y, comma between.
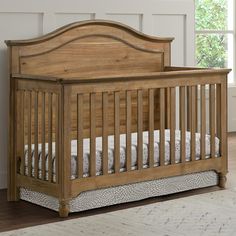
x: 3, y: 179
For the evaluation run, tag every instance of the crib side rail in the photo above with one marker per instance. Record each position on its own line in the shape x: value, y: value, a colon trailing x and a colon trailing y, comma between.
x: 37, y: 135
x: 101, y: 105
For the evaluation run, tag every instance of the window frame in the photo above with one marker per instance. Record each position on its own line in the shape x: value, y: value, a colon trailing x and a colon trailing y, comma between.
x: 226, y: 32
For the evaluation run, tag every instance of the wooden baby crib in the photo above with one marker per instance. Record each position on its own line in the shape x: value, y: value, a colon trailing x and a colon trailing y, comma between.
x: 102, y: 83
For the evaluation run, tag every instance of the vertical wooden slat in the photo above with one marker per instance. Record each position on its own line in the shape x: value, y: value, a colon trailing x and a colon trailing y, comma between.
x: 192, y: 107
x: 22, y: 126
x: 50, y: 166
x: 224, y: 122
x: 172, y: 125
x: 218, y: 110
x: 188, y: 108
x: 128, y: 130
x: 43, y: 158
x: 57, y: 137
x: 29, y: 134
x: 196, y: 108
x: 162, y: 127
x: 117, y: 131
x: 140, y: 129
x: 36, y: 155
x: 167, y: 102
x: 182, y: 117
x: 151, y: 128
x: 80, y: 150
x: 105, y: 133
x: 212, y: 118
x: 92, y: 134
x: 203, y: 122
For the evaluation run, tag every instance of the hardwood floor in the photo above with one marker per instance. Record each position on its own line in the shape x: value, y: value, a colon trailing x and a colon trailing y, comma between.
x: 15, y: 215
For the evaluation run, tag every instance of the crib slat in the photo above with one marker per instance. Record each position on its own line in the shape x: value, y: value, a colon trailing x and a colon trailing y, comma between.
x: 192, y: 121
x: 104, y: 133
x: 80, y: 135
x: 36, y: 159
x: 196, y: 108
x: 29, y: 135
x: 128, y: 130
x: 182, y: 123
x: 22, y: 110
x: 50, y: 166
x: 212, y: 118
x: 188, y: 107
x: 92, y: 134
x: 162, y: 127
x: 56, y: 137
x: 43, y: 138
x: 172, y: 125
x: 117, y: 131
x: 218, y: 110
x: 140, y: 129
x: 203, y: 122
x: 151, y: 128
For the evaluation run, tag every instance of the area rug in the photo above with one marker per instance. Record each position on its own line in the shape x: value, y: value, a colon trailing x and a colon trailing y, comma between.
x: 208, y: 214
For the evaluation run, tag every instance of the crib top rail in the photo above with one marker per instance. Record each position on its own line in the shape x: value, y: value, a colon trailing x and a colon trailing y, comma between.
x: 168, y: 73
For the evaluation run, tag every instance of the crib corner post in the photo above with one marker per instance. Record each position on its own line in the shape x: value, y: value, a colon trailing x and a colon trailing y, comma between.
x: 64, y: 208
x: 223, y: 132
x: 222, y: 180
x: 12, y: 190
x: 64, y: 150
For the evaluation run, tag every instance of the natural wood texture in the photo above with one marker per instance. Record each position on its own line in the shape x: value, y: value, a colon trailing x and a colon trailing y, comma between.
x: 96, y: 79
x: 121, y: 47
x: 172, y: 124
x: 50, y: 174
x: 151, y: 128
x: 182, y: 118
x: 193, y: 121
x: 117, y: 131
x: 43, y: 137
x: 36, y: 143
x: 128, y: 130
x: 92, y: 161
x: 162, y: 127
x: 104, y: 133
x: 203, y: 121
x: 29, y: 126
x: 140, y: 129
x: 80, y: 135
x: 212, y: 118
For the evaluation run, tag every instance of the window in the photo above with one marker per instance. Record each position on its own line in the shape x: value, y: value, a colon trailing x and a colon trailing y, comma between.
x: 215, y: 34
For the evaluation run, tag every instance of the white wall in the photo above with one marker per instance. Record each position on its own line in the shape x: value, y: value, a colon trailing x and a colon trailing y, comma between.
x: 31, y: 18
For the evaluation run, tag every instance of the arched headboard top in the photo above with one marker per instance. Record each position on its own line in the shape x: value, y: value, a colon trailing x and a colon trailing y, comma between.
x: 80, y: 24
x: 95, y: 47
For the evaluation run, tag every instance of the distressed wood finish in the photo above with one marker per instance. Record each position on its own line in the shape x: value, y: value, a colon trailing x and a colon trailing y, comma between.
x: 182, y: 117
x: 80, y: 145
x: 95, y: 79
x: 203, y: 122
x: 128, y: 130
x: 162, y: 127
x: 151, y: 128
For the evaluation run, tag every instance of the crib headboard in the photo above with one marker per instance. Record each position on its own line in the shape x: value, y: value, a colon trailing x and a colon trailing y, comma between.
x: 90, y: 48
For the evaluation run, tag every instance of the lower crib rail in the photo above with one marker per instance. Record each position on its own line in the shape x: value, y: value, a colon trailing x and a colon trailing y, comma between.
x: 104, y: 181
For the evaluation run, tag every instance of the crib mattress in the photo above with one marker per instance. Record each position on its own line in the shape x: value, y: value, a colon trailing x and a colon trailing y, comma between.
x: 125, y: 193
x: 86, y: 152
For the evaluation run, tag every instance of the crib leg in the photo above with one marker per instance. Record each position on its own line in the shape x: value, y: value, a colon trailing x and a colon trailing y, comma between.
x: 222, y: 180
x: 64, y: 208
